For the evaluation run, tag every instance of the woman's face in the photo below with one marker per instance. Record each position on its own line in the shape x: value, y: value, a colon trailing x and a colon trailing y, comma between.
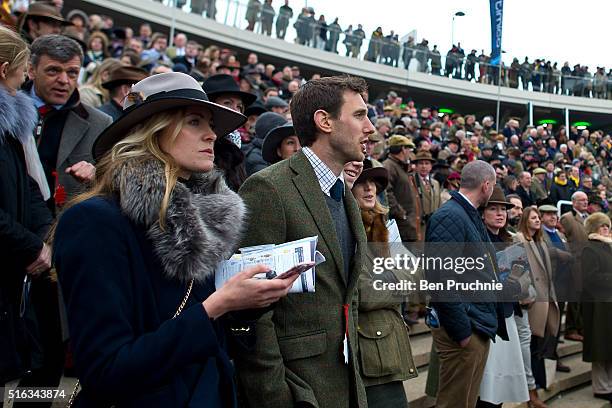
x: 604, y: 230
x: 495, y: 216
x: 193, y: 148
x: 533, y: 223
x: 365, y: 194
x: 288, y: 147
x: 12, y: 79
x: 95, y: 45
x: 352, y: 170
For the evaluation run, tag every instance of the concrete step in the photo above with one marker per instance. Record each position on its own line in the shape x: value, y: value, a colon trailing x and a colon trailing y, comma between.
x: 581, y: 397
x: 570, y: 353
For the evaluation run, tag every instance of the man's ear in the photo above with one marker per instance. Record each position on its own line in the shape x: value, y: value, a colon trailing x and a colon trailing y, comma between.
x: 322, y: 120
x: 31, y: 71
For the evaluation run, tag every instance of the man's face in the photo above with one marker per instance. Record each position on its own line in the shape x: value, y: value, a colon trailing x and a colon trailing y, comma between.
x: 44, y: 27
x: 350, y: 131
x: 588, y: 183
x: 370, y: 147
x: 54, y: 81
x: 136, y: 45
x: 180, y: 41
x: 252, y: 59
x: 160, y: 44
x: 384, y: 129
x: 191, y: 51
x: 526, y: 180
x: 145, y: 31
x: 516, y: 212
x: 580, y: 202
x: 423, y: 167
x: 549, y: 219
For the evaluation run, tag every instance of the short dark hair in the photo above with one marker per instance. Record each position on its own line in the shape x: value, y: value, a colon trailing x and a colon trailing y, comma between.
x: 57, y: 47
x: 321, y: 94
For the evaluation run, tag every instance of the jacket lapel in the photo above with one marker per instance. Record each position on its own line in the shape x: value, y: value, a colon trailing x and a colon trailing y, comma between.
x: 308, y: 186
x: 74, y: 130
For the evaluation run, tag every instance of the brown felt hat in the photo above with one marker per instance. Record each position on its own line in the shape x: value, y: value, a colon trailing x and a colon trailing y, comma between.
x: 498, y: 197
x: 125, y: 75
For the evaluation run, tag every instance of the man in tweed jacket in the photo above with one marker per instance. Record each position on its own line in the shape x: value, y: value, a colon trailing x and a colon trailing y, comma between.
x: 301, y: 357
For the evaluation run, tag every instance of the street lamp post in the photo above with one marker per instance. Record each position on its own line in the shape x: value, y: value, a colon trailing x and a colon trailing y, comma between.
x: 457, y: 14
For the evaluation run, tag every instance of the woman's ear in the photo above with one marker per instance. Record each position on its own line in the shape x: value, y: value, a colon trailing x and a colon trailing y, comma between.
x: 4, y: 67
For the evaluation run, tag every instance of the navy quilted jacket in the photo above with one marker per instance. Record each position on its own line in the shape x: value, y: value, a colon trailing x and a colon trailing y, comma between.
x: 457, y: 230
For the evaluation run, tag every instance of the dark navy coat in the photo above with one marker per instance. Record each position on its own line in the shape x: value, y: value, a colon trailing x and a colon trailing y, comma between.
x: 128, y: 351
x: 460, y: 225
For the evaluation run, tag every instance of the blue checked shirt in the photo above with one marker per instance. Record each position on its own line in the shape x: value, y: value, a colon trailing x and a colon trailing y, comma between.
x: 325, y: 176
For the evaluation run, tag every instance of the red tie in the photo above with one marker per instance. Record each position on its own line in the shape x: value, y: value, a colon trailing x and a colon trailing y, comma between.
x: 44, y: 110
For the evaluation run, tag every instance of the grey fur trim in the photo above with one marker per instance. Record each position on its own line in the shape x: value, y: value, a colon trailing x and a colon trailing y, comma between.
x: 18, y: 116
x: 203, y: 222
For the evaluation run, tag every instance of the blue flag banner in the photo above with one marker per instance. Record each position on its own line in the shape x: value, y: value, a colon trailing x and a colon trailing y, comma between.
x: 497, y: 13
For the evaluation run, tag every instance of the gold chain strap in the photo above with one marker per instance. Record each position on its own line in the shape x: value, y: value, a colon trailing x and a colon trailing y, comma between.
x: 75, y: 391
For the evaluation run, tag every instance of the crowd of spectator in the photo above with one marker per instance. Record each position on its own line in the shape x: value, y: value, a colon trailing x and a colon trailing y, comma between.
x: 538, y: 75
x: 80, y: 78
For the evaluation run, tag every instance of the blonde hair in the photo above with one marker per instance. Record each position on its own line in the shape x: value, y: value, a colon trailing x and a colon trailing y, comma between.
x: 13, y: 49
x: 140, y: 144
x: 95, y: 81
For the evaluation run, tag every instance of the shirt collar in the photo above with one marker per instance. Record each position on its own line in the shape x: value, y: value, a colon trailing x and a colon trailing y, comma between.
x: 39, y: 102
x: 551, y: 230
x: 466, y: 199
x: 325, y: 176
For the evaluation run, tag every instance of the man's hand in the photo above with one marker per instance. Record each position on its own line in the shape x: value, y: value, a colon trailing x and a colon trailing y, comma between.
x: 463, y: 343
x: 42, y: 263
x: 83, y: 171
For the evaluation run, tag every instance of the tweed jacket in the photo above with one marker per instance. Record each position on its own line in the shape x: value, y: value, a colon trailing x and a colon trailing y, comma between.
x: 298, y: 359
x: 573, y: 226
x: 404, y: 205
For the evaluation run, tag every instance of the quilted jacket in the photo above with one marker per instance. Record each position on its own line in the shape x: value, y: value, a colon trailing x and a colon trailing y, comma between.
x: 456, y: 230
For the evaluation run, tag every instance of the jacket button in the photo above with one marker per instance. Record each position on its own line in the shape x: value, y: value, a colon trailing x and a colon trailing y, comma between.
x: 411, y: 370
x: 378, y: 333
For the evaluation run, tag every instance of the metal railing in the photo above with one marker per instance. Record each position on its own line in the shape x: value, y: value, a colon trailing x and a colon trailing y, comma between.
x: 305, y: 30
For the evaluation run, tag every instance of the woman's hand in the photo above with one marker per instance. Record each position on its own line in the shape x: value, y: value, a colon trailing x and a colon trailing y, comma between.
x: 244, y: 292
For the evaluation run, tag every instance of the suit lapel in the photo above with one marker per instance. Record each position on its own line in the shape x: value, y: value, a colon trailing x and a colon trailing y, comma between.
x: 74, y: 130
x: 308, y: 186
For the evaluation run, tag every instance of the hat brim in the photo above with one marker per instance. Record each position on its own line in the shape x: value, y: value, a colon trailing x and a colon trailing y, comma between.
x: 432, y: 161
x: 225, y: 119
x: 273, y: 140
x: 379, y: 175
x: 247, y: 98
x: 505, y: 203
x: 255, y: 110
x: 118, y: 82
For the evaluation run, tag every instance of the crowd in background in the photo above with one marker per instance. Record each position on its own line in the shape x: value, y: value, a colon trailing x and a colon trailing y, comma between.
x: 538, y: 75
x: 423, y: 153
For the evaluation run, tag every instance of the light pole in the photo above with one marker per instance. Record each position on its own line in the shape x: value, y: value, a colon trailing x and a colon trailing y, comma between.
x: 457, y: 14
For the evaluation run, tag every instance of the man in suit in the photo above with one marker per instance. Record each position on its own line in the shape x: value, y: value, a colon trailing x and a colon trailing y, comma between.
x: 306, y: 349
x: 539, y: 189
x: 573, y: 225
x: 404, y: 206
x: 190, y: 58
x: 66, y: 127
x: 561, y: 271
x: 428, y: 188
x: 524, y: 189
x: 65, y: 134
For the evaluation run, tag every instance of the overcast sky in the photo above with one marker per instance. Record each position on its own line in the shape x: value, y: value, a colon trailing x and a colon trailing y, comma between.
x: 578, y: 32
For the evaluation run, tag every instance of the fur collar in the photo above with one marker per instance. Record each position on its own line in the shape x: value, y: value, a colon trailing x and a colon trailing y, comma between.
x: 18, y: 117
x: 203, y: 221
x: 601, y: 238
